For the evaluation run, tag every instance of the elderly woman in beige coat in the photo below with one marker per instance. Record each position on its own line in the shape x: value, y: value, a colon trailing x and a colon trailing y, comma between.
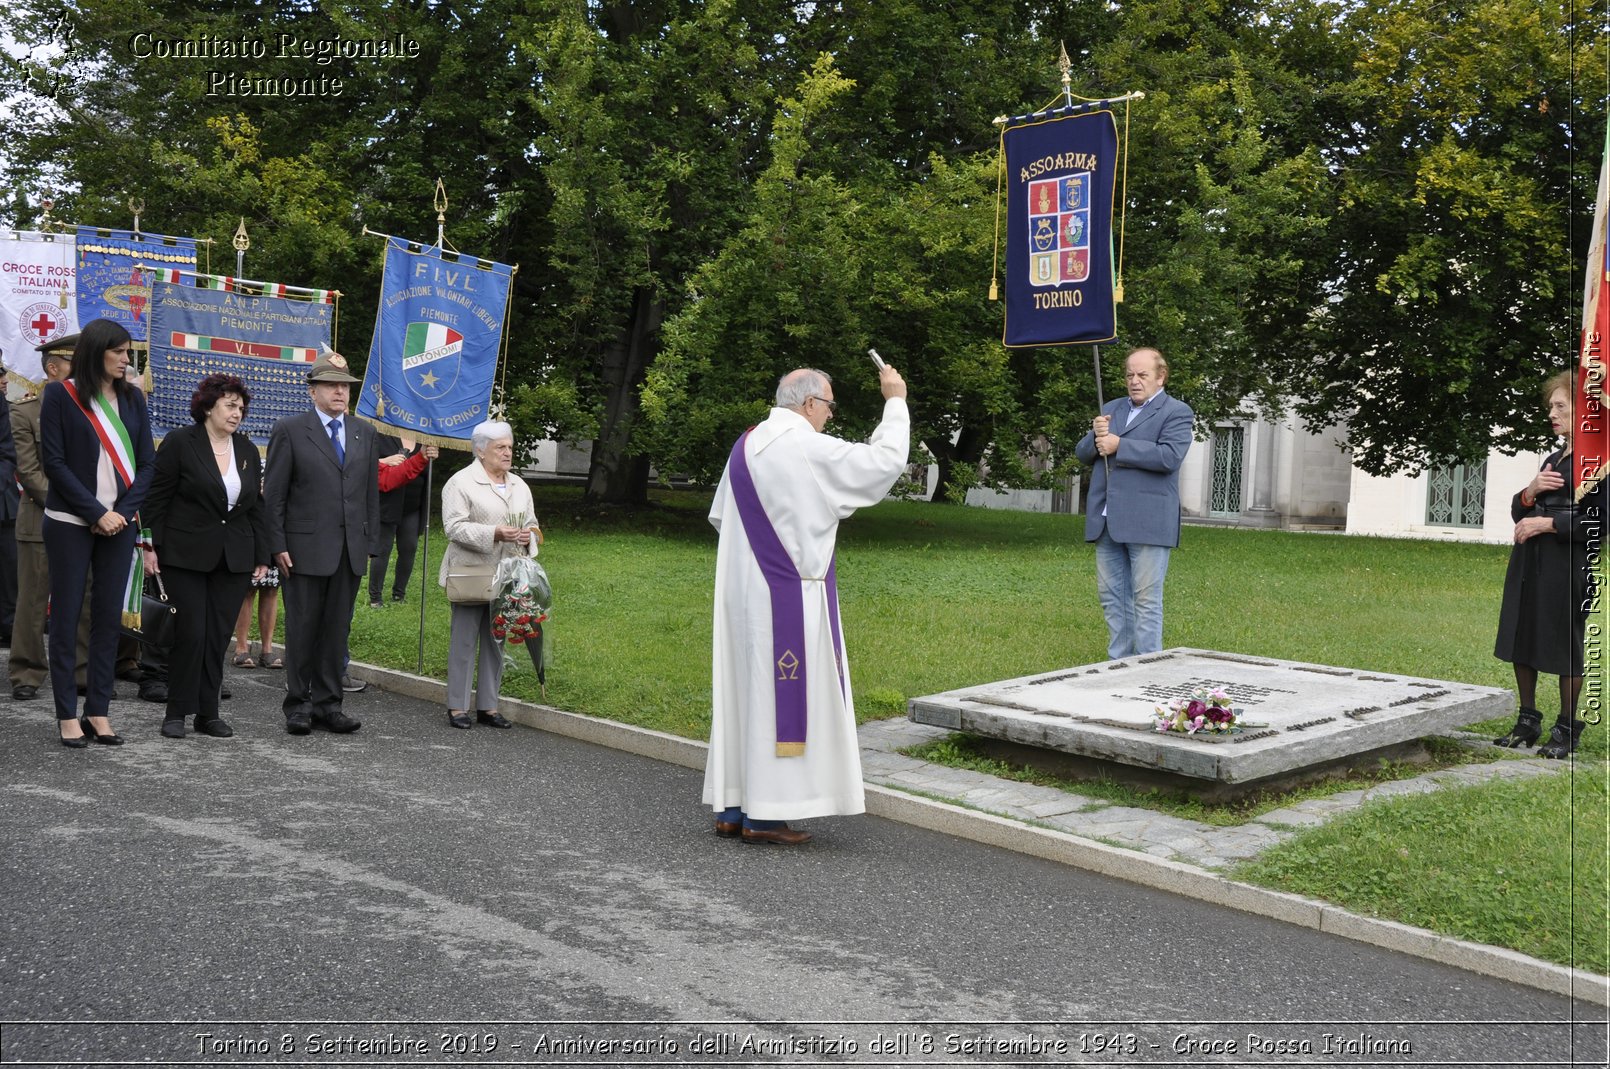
x: 488, y: 515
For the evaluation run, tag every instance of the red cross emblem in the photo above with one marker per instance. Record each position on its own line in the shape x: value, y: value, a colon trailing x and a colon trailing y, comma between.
x: 43, y: 324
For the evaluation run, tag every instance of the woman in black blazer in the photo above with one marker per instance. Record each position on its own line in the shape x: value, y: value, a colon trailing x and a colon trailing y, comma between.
x: 206, y: 521
x: 95, y: 449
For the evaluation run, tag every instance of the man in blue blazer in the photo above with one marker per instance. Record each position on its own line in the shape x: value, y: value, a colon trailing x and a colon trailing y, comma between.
x: 321, y: 504
x: 1134, y: 451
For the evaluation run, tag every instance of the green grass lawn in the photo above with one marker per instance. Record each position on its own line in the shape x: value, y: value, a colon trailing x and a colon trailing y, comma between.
x: 938, y: 597
x: 1521, y: 865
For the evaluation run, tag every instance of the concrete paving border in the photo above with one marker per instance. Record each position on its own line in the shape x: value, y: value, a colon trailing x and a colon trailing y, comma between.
x: 1065, y: 849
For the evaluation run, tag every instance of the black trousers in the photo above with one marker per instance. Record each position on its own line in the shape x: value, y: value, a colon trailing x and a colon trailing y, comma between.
x: 208, y: 603
x: 406, y: 534
x: 318, y: 617
x: 75, y: 553
x: 8, y: 576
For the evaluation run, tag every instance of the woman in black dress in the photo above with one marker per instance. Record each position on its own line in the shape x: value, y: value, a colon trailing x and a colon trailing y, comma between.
x: 1549, y: 586
x: 207, y: 525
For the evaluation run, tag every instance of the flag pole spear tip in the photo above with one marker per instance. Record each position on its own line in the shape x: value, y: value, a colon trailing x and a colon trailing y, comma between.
x: 242, y: 243
x: 1065, y: 65
x: 439, y: 201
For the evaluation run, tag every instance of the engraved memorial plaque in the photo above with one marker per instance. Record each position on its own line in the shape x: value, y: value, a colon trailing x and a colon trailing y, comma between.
x: 1294, y: 715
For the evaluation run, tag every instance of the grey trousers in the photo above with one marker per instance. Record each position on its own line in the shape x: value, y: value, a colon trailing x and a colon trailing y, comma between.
x: 472, y: 628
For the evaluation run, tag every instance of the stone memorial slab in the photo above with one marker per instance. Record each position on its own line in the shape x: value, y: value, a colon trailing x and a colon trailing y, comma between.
x: 1294, y: 715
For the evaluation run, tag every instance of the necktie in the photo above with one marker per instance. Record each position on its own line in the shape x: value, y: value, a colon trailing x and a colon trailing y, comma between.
x: 335, y: 440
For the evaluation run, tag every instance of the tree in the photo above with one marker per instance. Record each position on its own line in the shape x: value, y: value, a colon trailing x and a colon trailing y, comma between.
x: 655, y: 117
x: 130, y: 110
x: 1364, y: 210
x: 1220, y: 210
x: 781, y: 293
x: 1465, y: 157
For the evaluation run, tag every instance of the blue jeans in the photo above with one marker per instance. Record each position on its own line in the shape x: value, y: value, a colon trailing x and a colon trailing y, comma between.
x: 1129, y: 580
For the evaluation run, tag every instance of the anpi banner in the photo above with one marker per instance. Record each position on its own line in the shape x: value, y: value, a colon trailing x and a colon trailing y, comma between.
x: 265, y: 335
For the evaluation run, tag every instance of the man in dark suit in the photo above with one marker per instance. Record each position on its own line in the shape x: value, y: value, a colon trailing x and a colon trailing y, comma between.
x: 1134, y: 450
x: 322, y: 507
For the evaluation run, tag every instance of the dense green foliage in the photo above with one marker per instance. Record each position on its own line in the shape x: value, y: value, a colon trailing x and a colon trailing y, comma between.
x: 1371, y: 212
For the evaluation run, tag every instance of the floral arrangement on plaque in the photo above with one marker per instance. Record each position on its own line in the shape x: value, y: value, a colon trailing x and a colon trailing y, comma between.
x: 1206, y: 711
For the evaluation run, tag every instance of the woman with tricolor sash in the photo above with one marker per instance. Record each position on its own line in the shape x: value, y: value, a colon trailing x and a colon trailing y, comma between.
x: 95, y: 448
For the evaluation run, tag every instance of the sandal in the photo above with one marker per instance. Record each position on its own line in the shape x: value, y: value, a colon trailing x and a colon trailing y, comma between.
x: 273, y: 660
x: 244, y: 660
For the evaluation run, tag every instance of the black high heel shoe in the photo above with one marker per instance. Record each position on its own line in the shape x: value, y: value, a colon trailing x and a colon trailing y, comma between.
x: 77, y: 743
x: 109, y: 739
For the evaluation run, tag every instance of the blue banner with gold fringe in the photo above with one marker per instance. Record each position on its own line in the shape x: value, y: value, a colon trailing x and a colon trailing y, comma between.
x: 1059, y: 203
x: 438, y: 333
x: 114, y: 274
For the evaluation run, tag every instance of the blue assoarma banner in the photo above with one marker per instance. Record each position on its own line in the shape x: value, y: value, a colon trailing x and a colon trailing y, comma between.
x: 113, y: 284
x: 1059, y: 261
x: 206, y: 324
x: 438, y: 331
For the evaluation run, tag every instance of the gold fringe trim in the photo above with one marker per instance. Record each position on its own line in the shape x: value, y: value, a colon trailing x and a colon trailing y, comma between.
x: 790, y: 749
x: 462, y: 444
x: 25, y: 382
x: 131, y: 620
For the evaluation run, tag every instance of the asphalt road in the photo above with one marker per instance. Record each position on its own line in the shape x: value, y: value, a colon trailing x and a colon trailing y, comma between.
x: 414, y: 894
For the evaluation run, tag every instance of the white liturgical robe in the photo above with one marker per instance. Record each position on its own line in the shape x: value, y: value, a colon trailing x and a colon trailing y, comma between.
x: 807, y: 482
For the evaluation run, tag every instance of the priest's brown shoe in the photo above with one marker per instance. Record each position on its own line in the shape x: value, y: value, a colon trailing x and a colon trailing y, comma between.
x: 784, y: 836
x: 728, y: 830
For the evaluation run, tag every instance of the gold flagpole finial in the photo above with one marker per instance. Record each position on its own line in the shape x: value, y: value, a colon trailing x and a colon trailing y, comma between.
x: 137, y: 207
x: 1065, y: 65
x: 440, y: 203
x: 241, y: 243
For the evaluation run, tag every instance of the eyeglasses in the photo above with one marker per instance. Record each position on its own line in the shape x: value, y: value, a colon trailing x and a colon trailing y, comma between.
x: 832, y: 406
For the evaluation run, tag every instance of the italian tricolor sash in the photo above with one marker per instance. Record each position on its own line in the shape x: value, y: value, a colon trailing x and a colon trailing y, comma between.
x: 108, y: 427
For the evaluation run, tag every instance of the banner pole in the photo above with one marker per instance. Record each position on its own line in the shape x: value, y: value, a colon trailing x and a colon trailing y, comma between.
x: 424, y: 571
x: 439, y: 202
x: 1101, y: 403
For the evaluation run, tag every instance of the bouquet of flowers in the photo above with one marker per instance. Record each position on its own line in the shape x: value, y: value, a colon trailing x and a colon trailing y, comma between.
x: 521, y: 598
x: 1205, y: 710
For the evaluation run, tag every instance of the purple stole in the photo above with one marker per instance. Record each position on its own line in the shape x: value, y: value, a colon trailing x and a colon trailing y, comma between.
x: 787, y: 605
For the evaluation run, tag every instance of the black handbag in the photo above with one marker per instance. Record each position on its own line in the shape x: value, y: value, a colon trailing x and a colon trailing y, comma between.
x: 159, y: 619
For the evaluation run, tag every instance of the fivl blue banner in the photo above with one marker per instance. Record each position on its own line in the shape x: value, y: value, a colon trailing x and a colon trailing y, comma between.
x: 114, y: 276
x: 1059, y: 200
x: 266, y: 335
x: 438, y: 331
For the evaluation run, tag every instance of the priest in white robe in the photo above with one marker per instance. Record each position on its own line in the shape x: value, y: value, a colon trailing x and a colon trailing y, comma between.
x: 782, y: 735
